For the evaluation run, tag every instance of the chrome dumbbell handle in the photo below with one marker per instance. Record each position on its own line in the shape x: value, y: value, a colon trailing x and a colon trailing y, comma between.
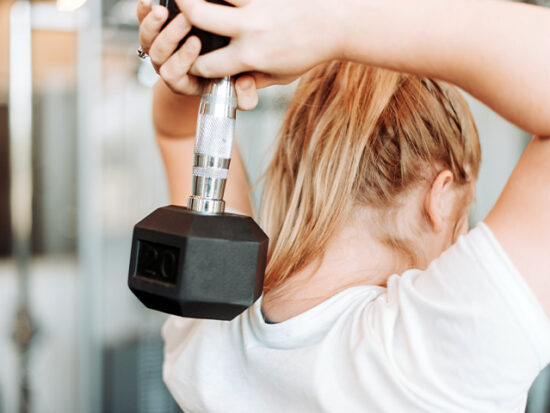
x: 213, y: 146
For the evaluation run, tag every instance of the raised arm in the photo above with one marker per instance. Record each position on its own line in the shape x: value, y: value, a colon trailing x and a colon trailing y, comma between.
x: 175, y: 106
x: 500, y: 53
x: 497, y: 51
x: 175, y: 119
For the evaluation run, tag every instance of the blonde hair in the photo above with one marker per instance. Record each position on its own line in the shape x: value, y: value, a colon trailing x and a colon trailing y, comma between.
x: 358, y: 135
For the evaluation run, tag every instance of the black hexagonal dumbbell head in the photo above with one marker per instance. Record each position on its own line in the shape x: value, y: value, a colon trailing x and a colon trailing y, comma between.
x: 197, y: 265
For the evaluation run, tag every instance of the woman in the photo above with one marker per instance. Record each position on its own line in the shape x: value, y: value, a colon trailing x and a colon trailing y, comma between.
x: 370, y: 304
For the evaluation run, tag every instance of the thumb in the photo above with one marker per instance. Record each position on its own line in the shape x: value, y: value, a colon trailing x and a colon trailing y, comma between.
x: 247, y: 96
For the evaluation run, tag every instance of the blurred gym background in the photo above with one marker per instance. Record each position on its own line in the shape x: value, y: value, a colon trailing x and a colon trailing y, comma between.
x: 78, y: 167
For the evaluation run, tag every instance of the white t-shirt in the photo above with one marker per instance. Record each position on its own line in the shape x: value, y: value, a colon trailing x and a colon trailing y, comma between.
x: 466, y: 335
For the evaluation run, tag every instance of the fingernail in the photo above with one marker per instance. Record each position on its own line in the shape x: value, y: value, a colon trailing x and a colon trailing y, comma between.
x: 145, y: 2
x: 158, y: 12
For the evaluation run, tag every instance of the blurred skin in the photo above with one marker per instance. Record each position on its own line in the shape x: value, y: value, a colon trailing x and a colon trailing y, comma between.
x: 275, y: 42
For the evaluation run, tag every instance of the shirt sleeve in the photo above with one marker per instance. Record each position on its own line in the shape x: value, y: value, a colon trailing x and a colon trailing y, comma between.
x: 467, y: 331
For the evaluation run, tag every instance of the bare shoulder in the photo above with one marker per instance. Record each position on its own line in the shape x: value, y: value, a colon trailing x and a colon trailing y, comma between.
x: 520, y: 220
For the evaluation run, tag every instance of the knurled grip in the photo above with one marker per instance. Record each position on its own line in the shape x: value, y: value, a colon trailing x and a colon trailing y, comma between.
x: 213, y: 146
x: 214, y: 136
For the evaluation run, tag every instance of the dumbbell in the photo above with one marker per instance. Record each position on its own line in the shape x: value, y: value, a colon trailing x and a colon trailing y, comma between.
x: 200, y: 261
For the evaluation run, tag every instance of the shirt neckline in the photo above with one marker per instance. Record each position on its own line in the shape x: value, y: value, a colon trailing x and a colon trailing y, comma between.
x: 311, y: 324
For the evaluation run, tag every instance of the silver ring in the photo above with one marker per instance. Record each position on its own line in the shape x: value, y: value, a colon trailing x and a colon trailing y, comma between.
x: 141, y: 54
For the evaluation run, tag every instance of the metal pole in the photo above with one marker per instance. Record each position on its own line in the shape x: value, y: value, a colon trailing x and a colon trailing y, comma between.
x: 89, y: 131
x: 21, y: 185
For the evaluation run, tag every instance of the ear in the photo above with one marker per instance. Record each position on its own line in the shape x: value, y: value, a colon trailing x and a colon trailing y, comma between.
x: 438, y: 204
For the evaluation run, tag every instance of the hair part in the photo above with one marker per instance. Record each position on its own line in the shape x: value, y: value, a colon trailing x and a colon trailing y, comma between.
x: 357, y: 135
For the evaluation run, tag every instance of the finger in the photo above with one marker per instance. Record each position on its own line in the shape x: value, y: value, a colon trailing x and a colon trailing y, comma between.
x: 168, y: 39
x: 247, y: 97
x: 220, y: 63
x: 175, y: 71
x: 151, y: 26
x: 143, y: 8
x: 213, y: 18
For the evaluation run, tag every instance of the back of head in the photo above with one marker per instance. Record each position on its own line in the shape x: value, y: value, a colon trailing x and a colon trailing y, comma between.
x: 358, y: 135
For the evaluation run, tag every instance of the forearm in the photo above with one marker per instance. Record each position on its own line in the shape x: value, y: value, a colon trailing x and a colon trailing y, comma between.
x: 174, y: 115
x: 497, y: 51
x: 177, y: 155
x: 175, y: 118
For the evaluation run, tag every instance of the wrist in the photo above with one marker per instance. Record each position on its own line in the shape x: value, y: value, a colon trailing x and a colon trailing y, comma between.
x: 398, y: 35
x: 361, y: 28
x: 332, y: 19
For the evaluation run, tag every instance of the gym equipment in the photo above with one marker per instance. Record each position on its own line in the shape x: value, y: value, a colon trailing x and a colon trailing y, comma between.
x: 200, y: 261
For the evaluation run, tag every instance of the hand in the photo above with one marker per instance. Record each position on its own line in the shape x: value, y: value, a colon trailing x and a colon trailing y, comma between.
x: 275, y: 41
x: 173, y: 65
